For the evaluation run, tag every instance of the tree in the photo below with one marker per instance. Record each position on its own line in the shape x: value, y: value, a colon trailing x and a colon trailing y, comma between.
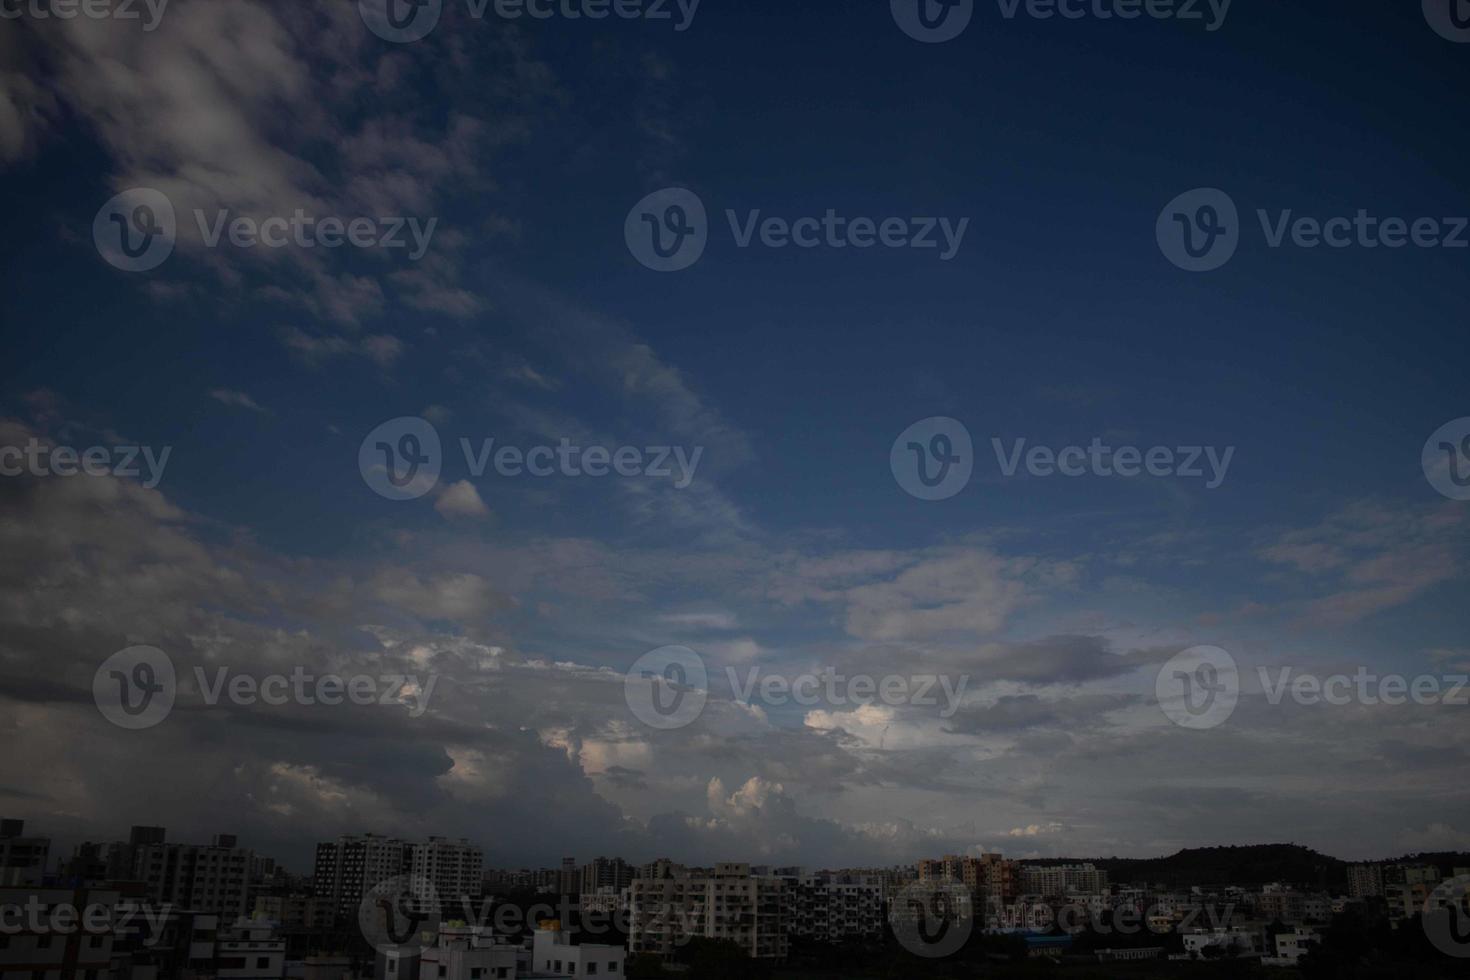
x: 644, y: 966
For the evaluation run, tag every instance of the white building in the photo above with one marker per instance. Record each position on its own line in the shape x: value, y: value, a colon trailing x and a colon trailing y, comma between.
x: 604, y: 901
x: 461, y: 953
x: 448, y: 870
x: 1240, y: 940
x: 1292, y: 946
x: 552, y: 952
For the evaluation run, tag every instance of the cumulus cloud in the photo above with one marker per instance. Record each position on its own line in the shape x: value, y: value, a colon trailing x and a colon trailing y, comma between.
x: 461, y: 499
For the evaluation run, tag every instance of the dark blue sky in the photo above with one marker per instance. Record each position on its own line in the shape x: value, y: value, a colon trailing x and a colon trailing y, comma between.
x: 529, y: 319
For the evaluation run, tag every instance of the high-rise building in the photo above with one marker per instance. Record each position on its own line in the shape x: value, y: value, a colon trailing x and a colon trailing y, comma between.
x: 449, y: 870
x: 23, y: 860
x: 662, y: 868
x: 211, y: 877
x: 832, y: 907
x: 727, y: 904
x: 1365, y: 880
x: 347, y: 868
x: 614, y: 873
x: 1063, y: 879
x: 570, y: 881
x: 990, y: 877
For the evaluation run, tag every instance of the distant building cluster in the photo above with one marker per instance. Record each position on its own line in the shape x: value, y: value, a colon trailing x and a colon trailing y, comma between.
x: 147, y: 908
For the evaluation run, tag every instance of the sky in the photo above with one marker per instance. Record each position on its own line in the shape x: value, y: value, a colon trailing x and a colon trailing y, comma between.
x: 524, y: 152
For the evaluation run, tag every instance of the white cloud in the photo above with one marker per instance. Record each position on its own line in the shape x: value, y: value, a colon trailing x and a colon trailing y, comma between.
x: 461, y: 500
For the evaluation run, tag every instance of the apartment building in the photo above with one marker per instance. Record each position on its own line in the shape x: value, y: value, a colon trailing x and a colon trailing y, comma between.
x: 1406, y: 901
x: 296, y: 911
x: 1365, y: 880
x: 729, y: 903
x: 1278, y: 902
x: 1410, y: 874
x: 449, y: 870
x: 211, y: 877
x: 249, y: 950
x: 614, y: 873
x: 348, y: 867
x: 990, y: 877
x: 569, y: 882
x: 1063, y: 879
x: 832, y: 906
x: 605, y: 902
x: 31, y: 944
x: 662, y: 868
